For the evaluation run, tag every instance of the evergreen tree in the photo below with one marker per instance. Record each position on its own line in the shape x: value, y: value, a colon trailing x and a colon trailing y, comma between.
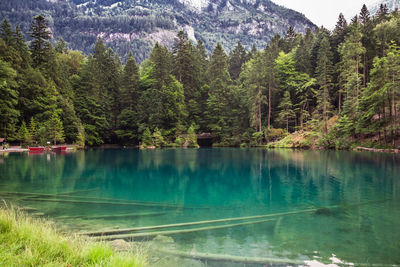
x: 23, y: 134
x: 40, y: 45
x: 237, y: 58
x: 367, y: 41
x: 32, y: 128
x: 254, y: 77
x: 351, y: 52
x: 8, y: 101
x: 324, y: 80
x: 61, y: 46
x: 55, y: 128
x: 271, y: 53
x: 147, y: 139
x: 7, y: 34
x: 218, y: 68
x: 286, y: 110
x: 22, y: 48
x: 158, y: 139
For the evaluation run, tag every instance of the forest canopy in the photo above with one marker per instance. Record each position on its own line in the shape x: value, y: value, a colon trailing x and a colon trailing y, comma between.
x: 343, y: 86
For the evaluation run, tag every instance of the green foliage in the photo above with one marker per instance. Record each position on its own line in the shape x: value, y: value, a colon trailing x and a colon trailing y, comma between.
x: 55, y: 128
x: 158, y: 139
x: 286, y: 113
x: 33, y: 135
x: 147, y: 139
x: 191, y: 137
x: 40, y: 45
x: 23, y: 133
x: 240, y: 99
x: 8, y: 100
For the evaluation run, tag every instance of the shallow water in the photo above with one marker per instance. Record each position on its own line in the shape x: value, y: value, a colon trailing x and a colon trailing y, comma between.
x: 356, y: 194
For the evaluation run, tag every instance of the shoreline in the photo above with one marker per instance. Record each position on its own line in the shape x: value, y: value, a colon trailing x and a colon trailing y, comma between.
x: 356, y: 149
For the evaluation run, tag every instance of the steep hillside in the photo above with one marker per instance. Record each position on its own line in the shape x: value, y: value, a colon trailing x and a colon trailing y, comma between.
x: 391, y: 5
x: 137, y: 24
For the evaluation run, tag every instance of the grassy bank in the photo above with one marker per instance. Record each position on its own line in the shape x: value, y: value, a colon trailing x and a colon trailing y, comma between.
x: 25, y: 241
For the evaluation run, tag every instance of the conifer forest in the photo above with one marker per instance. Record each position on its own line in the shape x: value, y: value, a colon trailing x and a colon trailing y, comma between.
x: 328, y: 89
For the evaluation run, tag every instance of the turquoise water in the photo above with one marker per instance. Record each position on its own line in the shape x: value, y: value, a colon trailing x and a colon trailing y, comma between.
x: 356, y: 194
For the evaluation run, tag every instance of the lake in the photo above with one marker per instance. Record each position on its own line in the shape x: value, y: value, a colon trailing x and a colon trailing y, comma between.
x: 325, y: 206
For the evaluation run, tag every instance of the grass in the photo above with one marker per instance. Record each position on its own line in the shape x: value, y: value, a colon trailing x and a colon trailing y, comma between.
x: 26, y: 241
x: 300, y: 139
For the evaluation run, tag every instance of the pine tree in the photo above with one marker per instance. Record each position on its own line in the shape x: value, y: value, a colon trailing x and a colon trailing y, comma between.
x: 32, y: 130
x: 351, y: 52
x: 254, y: 81
x: 218, y: 68
x: 286, y: 110
x: 271, y: 52
x: 7, y: 34
x: 22, y: 48
x: 23, y: 134
x: 158, y: 139
x: 8, y: 101
x: 367, y: 41
x: 237, y: 58
x: 55, y: 128
x: 40, y: 45
x: 130, y: 84
x: 382, y: 14
x: 61, y: 46
x: 324, y: 80
x: 147, y: 139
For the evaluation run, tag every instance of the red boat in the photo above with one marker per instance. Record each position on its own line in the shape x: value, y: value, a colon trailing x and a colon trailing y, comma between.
x: 36, y: 149
x: 59, y: 148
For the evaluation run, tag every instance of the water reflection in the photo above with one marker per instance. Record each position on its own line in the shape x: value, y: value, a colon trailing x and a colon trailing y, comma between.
x: 231, y: 183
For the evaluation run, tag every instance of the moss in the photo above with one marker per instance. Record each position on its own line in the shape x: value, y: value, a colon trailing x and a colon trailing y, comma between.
x: 25, y: 241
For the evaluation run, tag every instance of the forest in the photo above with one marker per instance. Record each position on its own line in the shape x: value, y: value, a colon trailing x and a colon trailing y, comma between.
x: 321, y: 89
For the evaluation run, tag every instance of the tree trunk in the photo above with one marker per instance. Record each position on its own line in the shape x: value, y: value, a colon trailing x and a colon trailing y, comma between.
x: 365, y: 70
x: 301, y: 117
x: 340, y: 101
x: 357, y: 75
x: 269, y: 105
x: 287, y: 124
x: 393, y: 113
x: 259, y: 117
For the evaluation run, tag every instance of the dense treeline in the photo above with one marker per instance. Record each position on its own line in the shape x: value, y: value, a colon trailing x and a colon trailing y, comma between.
x: 343, y: 86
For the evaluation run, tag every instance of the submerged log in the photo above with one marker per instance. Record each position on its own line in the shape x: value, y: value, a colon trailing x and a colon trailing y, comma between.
x: 228, y: 258
x: 150, y: 203
x: 79, y: 191
x: 136, y: 229
x: 99, y: 202
x: 116, y: 216
x: 173, y: 232
x: 144, y: 228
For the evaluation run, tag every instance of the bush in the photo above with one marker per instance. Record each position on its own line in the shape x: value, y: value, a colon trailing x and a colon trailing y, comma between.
x: 275, y: 134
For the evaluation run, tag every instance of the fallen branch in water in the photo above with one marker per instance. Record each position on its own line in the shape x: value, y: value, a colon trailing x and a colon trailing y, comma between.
x: 173, y: 232
x: 116, y: 216
x: 99, y: 202
x: 230, y: 258
x: 65, y: 195
x: 136, y: 229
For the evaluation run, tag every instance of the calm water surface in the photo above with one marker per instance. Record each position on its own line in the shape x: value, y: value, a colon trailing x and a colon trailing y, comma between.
x: 356, y: 194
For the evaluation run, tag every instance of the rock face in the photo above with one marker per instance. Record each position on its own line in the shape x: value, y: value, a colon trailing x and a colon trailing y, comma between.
x: 135, y: 25
x: 391, y: 5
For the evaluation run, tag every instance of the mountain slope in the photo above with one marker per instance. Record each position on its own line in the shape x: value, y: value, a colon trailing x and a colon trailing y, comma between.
x: 391, y: 5
x: 137, y: 24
